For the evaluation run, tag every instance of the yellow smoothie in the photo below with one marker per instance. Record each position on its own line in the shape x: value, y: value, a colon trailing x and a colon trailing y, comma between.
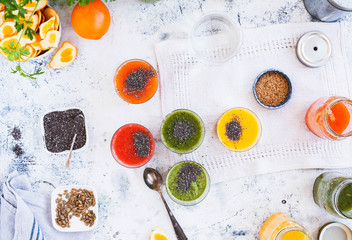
x: 281, y: 227
x: 247, y: 122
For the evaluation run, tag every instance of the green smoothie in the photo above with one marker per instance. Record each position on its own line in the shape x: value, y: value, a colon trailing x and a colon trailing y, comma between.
x: 182, y: 131
x: 187, y: 183
x: 333, y: 192
x: 345, y: 200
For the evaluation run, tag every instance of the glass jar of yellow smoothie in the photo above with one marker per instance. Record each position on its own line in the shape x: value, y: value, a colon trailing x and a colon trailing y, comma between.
x: 281, y: 227
x: 239, y: 129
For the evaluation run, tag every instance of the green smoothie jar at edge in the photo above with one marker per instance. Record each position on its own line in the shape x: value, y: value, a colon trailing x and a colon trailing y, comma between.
x: 182, y: 131
x: 187, y: 183
x: 333, y: 192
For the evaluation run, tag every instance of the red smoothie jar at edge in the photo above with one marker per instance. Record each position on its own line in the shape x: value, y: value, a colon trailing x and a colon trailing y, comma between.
x: 123, y: 149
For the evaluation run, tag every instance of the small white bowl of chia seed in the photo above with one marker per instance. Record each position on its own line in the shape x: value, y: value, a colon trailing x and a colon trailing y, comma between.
x: 59, y: 128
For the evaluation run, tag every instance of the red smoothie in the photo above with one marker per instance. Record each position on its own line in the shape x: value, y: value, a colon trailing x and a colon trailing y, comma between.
x: 132, y: 145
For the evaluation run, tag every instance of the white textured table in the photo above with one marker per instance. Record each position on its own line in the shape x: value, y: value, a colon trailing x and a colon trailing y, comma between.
x: 128, y: 209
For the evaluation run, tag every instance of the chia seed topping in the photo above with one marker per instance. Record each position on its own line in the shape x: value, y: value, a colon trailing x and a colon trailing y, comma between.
x: 234, y: 130
x: 138, y: 79
x: 182, y: 130
x: 187, y: 175
x: 142, y: 144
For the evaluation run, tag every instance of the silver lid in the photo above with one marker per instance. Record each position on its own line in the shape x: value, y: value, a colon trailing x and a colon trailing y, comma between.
x: 335, y: 231
x: 314, y: 49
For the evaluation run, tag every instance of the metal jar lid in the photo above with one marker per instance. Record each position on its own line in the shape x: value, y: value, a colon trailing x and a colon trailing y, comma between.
x: 335, y: 231
x: 314, y: 49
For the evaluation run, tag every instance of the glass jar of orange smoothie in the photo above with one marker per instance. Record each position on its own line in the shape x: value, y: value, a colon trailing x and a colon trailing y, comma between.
x: 330, y: 118
x: 281, y: 227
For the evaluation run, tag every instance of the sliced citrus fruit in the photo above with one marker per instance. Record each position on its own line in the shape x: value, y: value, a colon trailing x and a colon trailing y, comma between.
x: 64, y: 56
x: 7, y: 29
x: 2, y: 7
x: 49, y: 13
x: 8, y: 43
x: 36, y: 43
x: 32, y: 4
x: 2, y: 17
x: 51, y: 40
x: 26, y: 40
x: 158, y: 234
x: 46, y: 27
x: 32, y: 53
x: 35, y: 22
x: 41, y: 17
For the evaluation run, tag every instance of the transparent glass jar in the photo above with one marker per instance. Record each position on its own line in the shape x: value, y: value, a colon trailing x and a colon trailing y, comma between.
x: 199, y: 189
x: 279, y: 226
x: 333, y: 192
x: 321, y: 112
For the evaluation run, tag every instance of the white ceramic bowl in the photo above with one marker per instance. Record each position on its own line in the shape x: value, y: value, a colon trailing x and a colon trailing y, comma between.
x: 60, y: 110
x: 76, y: 224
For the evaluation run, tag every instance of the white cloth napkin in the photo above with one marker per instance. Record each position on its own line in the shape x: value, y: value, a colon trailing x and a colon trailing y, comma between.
x: 25, y: 215
x: 210, y: 90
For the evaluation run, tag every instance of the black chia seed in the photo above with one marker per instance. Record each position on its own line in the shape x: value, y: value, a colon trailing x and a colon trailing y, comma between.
x: 142, y: 144
x: 18, y: 151
x: 234, y: 130
x: 16, y: 133
x: 60, y: 128
x: 138, y: 79
x: 182, y: 130
x: 187, y: 175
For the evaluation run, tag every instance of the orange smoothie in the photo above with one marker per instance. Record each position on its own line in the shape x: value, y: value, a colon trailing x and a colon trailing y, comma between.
x: 136, y: 81
x: 239, y: 129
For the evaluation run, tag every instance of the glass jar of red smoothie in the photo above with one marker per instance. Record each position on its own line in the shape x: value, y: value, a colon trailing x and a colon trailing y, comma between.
x: 132, y: 145
x: 330, y: 118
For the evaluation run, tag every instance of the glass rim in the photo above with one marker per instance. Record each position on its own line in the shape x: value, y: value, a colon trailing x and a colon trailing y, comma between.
x: 336, y: 195
x: 136, y: 60
x: 326, y: 114
x: 256, y: 140
x: 236, y: 26
x: 202, y: 130
x: 298, y: 228
x: 195, y: 201
x: 120, y: 161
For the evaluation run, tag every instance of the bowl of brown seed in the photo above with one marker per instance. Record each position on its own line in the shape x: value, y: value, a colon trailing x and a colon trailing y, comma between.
x: 74, y: 208
x: 272, y: 89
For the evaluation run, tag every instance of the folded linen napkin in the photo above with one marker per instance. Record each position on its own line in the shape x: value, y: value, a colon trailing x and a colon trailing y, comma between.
x: 25, y: 215
x: 210, y: 90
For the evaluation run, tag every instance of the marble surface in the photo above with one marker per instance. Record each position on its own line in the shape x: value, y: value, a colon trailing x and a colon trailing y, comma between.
x: 127, y: 208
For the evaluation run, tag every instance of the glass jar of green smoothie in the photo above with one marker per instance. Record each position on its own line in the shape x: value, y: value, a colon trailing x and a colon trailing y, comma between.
x: 187, y: 183
x: 333, y: 192
x: 182, y: 131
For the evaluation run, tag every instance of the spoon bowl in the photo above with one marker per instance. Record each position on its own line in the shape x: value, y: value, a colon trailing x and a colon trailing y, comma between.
x: 152, y: 179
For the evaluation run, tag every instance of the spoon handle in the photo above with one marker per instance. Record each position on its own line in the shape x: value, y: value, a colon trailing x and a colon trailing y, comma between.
x: 178, y: 230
